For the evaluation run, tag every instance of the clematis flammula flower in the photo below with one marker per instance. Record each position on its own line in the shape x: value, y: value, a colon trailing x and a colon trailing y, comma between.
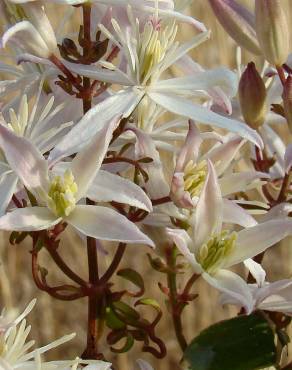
x: 35, y: 34
x: 15, y: 350
x: 191, y: 168
x: 276, y: 296
x: 58, y: 196
x: 40, y: 125
x: 149, y: 53
x: 211, y: 249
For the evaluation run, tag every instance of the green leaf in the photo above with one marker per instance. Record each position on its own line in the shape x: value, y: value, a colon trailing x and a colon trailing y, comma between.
x: 134, y: 277
x: 241, y: 343
x: 125, y: 313
x: 112, y: 321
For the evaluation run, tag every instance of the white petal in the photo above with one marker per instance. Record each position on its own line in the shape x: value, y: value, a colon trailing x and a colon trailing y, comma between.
x: 106, y: 224
x: 100, y: 74
x: 87, y: 162
x: 8, y: 184
x: 209, y: 211
x: 144, y: 365
x: 232, y: 285
x: 28, y: 219
x: 107, y: 187
x: 281, y: 210
x: 257, y: 239
x: 26, y: 36
x: 122, y: 103
x: 256, y: 270
x: 183, y: 242
x: 25, y: 159
x: 234, y: 214
x: 221, y: 77
x: 187, y: 108
x: 241, y: 181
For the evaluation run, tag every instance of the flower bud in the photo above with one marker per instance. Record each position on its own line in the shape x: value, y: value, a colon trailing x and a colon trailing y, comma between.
x: 272, y: 31
x: 252, y: 97
x: 238, y: 22
x: 287, y: 100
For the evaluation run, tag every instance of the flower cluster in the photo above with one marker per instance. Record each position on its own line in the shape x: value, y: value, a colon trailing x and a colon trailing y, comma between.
x: 87, y: 143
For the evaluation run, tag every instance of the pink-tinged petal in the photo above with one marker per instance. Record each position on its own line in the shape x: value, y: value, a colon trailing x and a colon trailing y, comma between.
x: 256, y: 270
x: 223, y: 154
x: 25, y: 159
x: 119, y: 104
x: 157, y: 187
x: 241, y: 181
x: 87, y: 162
x: 288, y: 158
x: 28, y: 219
x: 190, y: 149
x: 238, y: 22
x: 234, y: 214
x: 257, y: 239
x: 209, y: 211
x: 178, y: 194
x: 108, y: 187
x: 233, y: 286
x: 185, y: 245
x: 220, y: 99
x: 106, y: 224
x: 187, y: 108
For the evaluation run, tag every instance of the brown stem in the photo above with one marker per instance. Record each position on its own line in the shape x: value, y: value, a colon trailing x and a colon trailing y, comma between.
x: 285, y: 184
x: 288, y: 367
x: 91, y: 351
x: 74, y: 80
x: 63, y: 266
x: 115, y: 263
x: 157, y: 202
x: 281, y: 74
x: 173, y: 298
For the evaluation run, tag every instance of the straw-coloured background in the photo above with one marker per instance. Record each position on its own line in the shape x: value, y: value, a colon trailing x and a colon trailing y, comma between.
x: 52, y: 318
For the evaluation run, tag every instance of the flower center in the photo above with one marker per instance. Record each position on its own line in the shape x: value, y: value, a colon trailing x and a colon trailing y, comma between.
x: 194, y: 177
x: 214, y: 252
x: 61, y: 197
x: 152, y: 46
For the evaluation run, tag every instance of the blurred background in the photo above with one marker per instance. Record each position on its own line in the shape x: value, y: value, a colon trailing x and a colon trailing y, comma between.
x: 52, y: 319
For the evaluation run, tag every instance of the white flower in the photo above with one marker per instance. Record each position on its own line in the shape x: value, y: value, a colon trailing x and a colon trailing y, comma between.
x: 58, y: 196
x: 15, y: 350
x: 211, y: 249
x: 149, y: 53
x: 276, y: 296
x: 40, y: 126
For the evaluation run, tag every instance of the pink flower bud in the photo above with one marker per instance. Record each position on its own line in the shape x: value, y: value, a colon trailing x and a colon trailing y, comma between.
x: 272, y: 30
x: 252, y: 97
x: 238, y: 22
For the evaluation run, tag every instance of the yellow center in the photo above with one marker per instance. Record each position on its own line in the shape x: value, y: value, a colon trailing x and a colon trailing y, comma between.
x: 194, y: 177
x: 212, y: 254
x: 153, y: 43
x: 61, y: 197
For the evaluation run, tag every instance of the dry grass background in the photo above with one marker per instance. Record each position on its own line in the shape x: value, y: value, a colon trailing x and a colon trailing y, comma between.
x: 52, y: 319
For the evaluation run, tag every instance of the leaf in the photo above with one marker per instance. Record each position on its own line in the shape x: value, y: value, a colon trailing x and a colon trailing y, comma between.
x: 125, y: 313
x: 112, y: 321
x: 241, y: 343
x: 135, y: 278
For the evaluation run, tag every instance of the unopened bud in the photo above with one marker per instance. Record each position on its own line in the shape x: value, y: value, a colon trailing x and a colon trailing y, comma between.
x: 287, y: 100
x: 252, y: 97
x: 238, y: 22
x: 272, y: 31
